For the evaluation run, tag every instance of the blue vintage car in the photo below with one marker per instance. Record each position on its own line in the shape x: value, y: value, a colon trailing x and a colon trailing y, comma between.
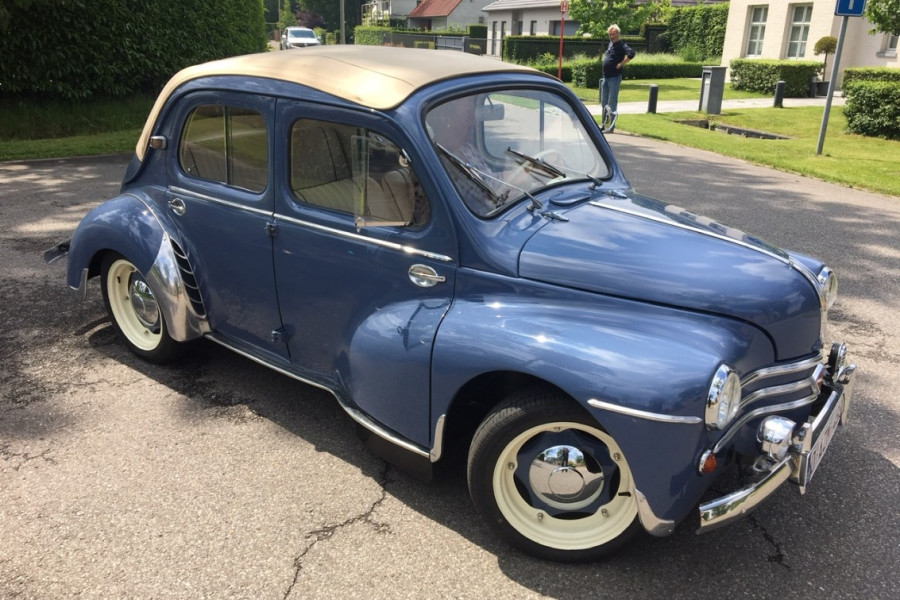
x: 446, y: 244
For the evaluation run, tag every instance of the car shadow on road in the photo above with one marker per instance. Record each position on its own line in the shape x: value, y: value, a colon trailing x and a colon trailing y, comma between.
x: 827, y: 539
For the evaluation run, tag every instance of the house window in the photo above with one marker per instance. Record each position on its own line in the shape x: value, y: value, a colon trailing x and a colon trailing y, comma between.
x: 800, y: 17
x: 892, y: 44
x: 758, y: 16
x: 532, y: 29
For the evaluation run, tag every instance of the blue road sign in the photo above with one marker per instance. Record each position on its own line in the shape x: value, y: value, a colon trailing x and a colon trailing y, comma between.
x: 850, y: 8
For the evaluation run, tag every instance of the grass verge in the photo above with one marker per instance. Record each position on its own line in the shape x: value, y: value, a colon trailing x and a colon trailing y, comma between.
x: 848, y: 159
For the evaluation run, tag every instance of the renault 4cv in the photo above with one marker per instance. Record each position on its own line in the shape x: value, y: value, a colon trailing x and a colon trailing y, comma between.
x: 446, y: 244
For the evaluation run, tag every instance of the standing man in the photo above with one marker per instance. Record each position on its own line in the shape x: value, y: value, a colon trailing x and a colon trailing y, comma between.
x: 618, y: 54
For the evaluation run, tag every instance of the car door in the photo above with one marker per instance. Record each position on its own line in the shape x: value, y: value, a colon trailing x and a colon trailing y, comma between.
x: 365, y: 264
x: 221, y: 199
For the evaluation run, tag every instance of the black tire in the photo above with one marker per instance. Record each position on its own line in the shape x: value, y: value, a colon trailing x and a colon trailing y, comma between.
x: 550, y: 481
x: 134, y: 311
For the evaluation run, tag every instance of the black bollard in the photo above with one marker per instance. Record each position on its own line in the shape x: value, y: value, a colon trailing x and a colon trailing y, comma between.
x: 654, y: 94
x: 779, y: 94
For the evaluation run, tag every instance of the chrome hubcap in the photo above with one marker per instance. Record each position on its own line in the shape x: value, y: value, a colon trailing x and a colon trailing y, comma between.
x: 143, y: 303
x: 565, y: 473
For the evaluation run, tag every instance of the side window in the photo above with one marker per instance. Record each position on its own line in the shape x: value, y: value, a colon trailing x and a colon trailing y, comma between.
x: 226, y: 144
x: 356, y: 171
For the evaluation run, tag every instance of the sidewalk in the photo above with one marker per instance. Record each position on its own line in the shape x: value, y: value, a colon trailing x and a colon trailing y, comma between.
x: 637, y: 108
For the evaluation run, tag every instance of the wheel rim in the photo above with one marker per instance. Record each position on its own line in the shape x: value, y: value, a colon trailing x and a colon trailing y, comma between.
x: 565, y: 485
x: 134, y: 306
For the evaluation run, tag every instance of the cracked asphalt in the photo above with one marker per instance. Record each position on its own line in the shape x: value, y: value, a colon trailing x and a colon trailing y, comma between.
x: 217, y: 478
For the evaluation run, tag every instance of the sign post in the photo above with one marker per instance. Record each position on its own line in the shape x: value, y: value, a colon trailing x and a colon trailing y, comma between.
x: 844, y: 9
x: 563, y: 8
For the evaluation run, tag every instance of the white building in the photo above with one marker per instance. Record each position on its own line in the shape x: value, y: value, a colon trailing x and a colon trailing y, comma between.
x: 524, y: 17
x: 790, y: 30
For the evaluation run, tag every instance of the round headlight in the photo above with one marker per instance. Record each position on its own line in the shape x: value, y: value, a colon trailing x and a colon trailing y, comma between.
x: 828, y: 281
x: 724, y: 398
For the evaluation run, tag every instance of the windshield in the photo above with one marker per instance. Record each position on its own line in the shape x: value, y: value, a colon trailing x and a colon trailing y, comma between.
x: 499, y: 147
x: 301, y: 33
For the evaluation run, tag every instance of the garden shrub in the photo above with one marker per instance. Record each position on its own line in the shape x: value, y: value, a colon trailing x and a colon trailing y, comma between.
x: 762, y: 75
x: 873, y: 102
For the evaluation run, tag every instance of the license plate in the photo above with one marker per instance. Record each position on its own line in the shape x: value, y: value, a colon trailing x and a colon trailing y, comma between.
x: 817, y: 452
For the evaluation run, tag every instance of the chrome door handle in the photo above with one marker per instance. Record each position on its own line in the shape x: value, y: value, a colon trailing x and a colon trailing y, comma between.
x: 178, y: 206
x: 424, y: 276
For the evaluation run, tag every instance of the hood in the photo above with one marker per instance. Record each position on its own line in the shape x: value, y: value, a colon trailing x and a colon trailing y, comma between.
x: 633, y: 247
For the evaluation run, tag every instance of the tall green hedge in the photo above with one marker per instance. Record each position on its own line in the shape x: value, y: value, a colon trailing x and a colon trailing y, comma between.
x: 119, y: 47
x: 762, y: 75
x: 701, y: 28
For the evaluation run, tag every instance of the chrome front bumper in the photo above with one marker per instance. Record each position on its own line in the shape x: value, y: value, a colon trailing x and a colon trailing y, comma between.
x: 804, y: 451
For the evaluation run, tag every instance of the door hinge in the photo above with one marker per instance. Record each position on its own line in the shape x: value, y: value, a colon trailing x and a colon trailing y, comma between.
x: 279, y: 336
x: 272, y: 228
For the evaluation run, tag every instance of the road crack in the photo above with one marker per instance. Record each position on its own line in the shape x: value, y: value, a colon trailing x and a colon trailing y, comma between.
x: 327, y: 532
x: 20, y: 459
x: 778, y: 557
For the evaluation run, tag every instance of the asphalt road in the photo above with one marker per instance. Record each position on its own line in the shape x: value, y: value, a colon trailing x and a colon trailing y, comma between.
x: 217, y: 478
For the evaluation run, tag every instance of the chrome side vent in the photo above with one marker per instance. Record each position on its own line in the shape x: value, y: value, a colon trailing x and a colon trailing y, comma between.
x: 190, y: 282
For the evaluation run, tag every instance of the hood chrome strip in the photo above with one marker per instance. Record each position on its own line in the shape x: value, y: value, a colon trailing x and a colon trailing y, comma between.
x: 783, y: 259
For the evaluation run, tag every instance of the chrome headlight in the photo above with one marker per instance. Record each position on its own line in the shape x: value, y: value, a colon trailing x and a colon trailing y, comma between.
x: 724, y: 398
x: 829, y: 283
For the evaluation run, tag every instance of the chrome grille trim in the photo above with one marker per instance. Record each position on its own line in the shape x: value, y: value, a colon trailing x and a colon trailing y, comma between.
x: 780, y: 370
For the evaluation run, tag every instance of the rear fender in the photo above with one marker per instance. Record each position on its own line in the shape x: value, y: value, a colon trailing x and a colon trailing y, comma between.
x: 127, y: 226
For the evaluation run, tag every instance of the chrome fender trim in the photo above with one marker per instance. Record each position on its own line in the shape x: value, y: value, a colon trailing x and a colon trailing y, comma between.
x: 165, y: 280
x: 652, y: 524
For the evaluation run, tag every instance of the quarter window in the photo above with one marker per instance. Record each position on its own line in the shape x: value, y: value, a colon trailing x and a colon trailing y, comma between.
x: 226, y: 144
x: 357, y: 171
x: 757, y: 32
x: 800, y: 19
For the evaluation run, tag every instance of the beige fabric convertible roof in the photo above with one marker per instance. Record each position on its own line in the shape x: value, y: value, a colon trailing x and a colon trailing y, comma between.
x: 374, y: 76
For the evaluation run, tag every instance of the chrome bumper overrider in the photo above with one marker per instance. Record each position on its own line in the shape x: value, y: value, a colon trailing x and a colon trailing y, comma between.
x: 802, y: 452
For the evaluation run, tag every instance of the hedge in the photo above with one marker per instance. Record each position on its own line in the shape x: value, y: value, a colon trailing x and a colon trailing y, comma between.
x: 701, y: 28
x: 761, y: 75
x: 873, y: 101
x: 527, y: 48
x: 589, y: 72
x: 119, y: 47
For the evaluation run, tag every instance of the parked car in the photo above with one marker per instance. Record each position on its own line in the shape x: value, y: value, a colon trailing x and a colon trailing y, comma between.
x: 298, y: 37
x: 447, y: 245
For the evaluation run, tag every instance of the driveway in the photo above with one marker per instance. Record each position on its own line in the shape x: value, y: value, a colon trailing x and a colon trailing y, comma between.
x: 217, y: 478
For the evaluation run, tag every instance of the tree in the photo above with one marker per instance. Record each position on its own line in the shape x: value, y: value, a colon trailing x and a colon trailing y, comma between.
x: 885, y: 15
x: 286, y: 17
x: 596, y: 16
x: 826, y: 45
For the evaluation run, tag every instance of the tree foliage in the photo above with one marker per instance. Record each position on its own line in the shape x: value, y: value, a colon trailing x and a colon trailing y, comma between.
x: 118, y: 47
x: 885, y: 15
x: 595, y: 16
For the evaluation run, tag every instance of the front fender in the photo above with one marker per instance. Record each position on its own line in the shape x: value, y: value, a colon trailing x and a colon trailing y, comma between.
x: 127, y: 226
x: 653, y: 360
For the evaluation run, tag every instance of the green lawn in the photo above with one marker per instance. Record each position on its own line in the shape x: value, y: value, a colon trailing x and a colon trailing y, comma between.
x: 638, y: 90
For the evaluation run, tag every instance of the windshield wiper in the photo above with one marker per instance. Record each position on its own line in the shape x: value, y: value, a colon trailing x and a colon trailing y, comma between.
x: 539, y: 163
x: 478, y: 176
x: 555, y: 170
x: 471, y: 172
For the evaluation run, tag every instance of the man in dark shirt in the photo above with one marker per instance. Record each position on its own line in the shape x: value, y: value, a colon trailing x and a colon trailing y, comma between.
x: 618, y: 54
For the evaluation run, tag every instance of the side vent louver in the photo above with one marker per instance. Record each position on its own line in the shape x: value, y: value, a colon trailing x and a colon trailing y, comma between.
x: 190, y: 282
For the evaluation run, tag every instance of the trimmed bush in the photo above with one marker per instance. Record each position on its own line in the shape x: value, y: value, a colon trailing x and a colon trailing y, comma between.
x: 526, y: 48
x: 873, y: 102
x: 698, y: 30
x: 369, y: 35
x: 760, y: 75
x: 120, y: 47
x: 589, y: 72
